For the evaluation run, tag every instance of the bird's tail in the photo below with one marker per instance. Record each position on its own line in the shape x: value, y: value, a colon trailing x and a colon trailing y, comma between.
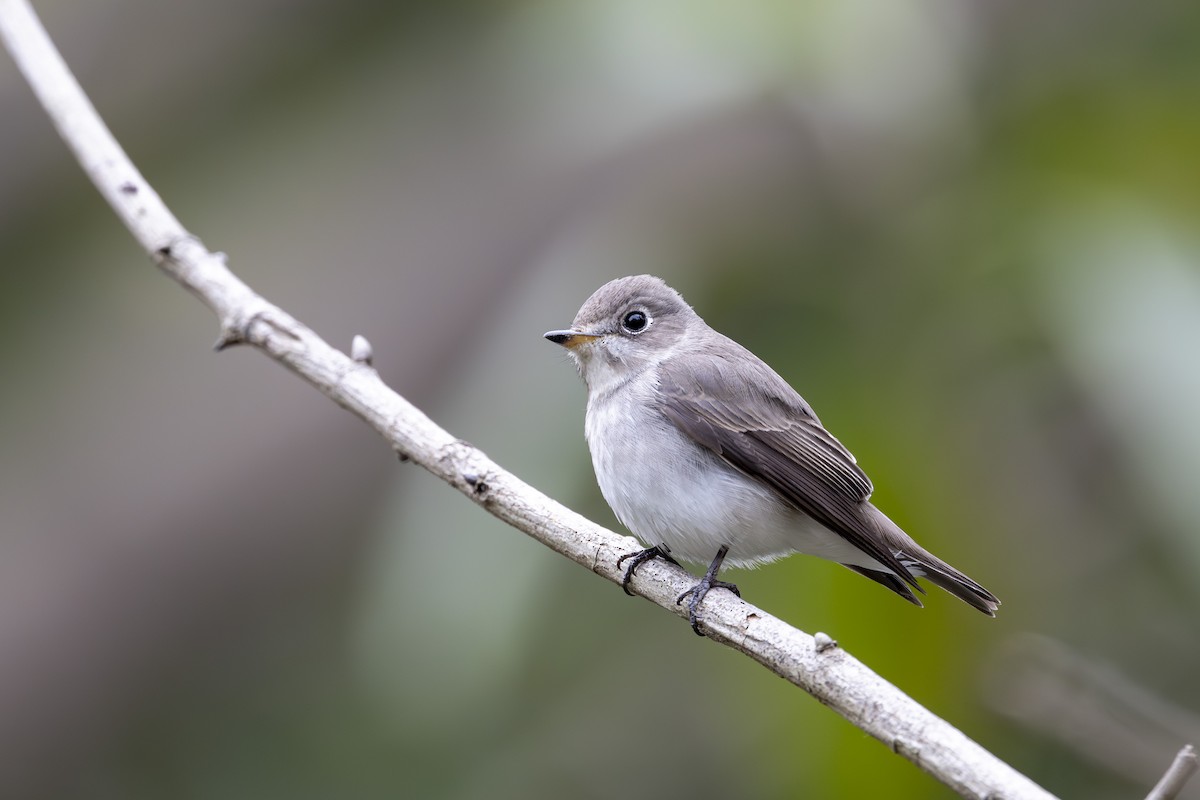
x: 921, y: 563
x: 939, y: 573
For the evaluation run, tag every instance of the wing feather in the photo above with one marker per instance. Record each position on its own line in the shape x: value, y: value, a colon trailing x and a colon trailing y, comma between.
x: 756, y: 422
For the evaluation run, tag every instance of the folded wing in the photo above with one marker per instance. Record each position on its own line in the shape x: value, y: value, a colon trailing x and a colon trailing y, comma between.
x: 756, y: 422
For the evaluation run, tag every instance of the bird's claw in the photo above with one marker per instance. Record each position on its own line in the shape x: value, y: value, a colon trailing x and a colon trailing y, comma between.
x: 697, y: 594
x: 637, y: 559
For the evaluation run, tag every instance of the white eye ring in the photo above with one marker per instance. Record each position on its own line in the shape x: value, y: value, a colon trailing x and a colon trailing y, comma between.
x: 635, y: 321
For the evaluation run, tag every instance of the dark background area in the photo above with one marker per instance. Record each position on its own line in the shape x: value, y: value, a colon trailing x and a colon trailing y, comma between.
x: 965, y: 232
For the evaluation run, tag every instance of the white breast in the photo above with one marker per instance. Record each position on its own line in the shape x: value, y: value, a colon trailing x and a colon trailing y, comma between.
x: 668, y: 490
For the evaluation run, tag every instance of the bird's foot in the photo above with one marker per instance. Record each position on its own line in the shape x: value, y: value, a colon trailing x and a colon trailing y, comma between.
x: 697, y: 593
x: 639, y: 558
x: 709, y: 581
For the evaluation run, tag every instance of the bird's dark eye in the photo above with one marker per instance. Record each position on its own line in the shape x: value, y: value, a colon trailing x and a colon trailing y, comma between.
x: 634, y: 321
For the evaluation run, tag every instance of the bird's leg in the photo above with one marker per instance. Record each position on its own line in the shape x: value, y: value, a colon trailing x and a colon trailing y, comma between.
x: 639, y: 558
x: 709, y: 581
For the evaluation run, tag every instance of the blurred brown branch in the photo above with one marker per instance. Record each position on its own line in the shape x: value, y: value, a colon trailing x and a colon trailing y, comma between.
x: 1088, y: 706
x: 825, y: 671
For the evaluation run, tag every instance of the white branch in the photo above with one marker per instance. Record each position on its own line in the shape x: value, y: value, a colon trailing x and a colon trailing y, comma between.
x: 1172, y: 781
x: 821, y: 668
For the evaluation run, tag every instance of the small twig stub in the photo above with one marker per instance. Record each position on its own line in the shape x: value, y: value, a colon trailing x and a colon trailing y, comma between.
x: 1176, y: 776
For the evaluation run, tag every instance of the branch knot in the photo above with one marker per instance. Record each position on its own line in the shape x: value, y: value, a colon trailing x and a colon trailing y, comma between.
x: 258, y: 326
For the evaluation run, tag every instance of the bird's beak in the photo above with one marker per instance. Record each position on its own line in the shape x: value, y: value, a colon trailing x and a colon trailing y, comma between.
x: 569, y: 339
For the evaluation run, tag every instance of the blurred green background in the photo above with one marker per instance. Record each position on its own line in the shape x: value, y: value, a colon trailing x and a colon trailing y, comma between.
x: 965, y: 232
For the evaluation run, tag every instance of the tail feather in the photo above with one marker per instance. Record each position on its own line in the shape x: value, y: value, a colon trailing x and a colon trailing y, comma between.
x: 939, y: 573
x: 890, y: 581
x: 922, y: 563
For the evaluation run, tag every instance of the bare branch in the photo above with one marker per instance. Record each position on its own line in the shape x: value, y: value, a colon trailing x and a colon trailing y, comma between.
x: 819, y: 667
x: 1171, y: 783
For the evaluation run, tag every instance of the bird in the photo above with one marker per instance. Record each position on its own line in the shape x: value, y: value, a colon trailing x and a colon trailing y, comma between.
x: 707, y: 455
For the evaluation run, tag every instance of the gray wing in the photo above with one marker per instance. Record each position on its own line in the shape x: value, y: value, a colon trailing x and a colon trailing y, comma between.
x: 756, y: 422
